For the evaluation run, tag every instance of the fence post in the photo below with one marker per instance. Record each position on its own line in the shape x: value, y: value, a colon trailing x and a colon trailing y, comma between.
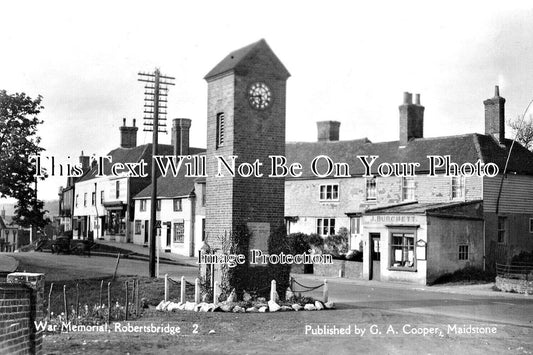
x: 182, y: 291
x: 326, y: 291
x: 108, y: 302
x: 166, y: 287
x: 273, y: 291
x: 216, y: 293
x: 197, y: 290
x: 65, y: 302
x: 127, y: 284
x: 100, y: 295
x: 49, y: 296
x: 77, y: 300
x: 137, y: 301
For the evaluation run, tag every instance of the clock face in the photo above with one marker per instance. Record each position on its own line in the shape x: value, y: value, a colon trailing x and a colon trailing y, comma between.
x: 259, y: 96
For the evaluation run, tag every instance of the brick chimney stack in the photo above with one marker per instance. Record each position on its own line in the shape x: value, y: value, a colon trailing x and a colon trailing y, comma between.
x: 495, y: 116
x: 84, y: 161
x: 328, y: 131
x: 180, y: 135
x: 128, y: 135
x: 411, y: 119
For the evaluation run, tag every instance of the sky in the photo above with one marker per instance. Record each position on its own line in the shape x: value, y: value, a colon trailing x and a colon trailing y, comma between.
x: 349, y: 61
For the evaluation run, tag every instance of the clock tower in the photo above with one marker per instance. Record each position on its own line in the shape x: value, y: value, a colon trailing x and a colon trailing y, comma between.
x: 245, y: 118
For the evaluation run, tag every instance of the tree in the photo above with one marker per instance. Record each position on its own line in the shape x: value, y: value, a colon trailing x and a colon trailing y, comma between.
x: 18, y: 143
x: 523, y: 128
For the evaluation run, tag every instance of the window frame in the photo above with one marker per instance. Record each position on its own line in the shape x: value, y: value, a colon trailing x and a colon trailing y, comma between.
x: 370, y: 181
x: 137, y: 226
x: 502, y: 230
x: 220, y: 129
x: 180, y: 204
x: 464, y: 252
x: 461, y: 187
x: 334, y: 193
x: 85, y: 199
x: 407, y: 187
x: 403, y: 233
x: 142, y: 205
x: 93, y: 198
x: 320, y: 226
x: 175, y: 234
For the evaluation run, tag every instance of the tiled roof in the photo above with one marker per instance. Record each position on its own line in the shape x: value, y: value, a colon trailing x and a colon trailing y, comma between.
x: 134, y: 155
x: 170, y: 186
x: 461, y: 148
x: 240, y: 58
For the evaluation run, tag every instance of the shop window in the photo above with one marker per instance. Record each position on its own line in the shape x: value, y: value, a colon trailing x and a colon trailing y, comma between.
x: 458, y: 187
x: 220, y: 129
x: 179, y: 232
x: 408, y: 188
x: 402, y: 250
x: 371, y: 193
x: 463, y: 252
x: 142, y: 206
x: 329, y: 192
x: 177, y: 204
x: 325, y: 226
x: 502, y: 229
x: 138, y: 227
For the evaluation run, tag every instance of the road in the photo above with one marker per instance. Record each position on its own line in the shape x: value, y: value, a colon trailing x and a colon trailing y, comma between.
x: 487, y: 306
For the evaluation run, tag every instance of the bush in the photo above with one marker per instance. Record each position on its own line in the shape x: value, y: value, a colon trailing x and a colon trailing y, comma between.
x: 337, y: 245
x: 300, y: 243
x: 523, y: 257
x: 466, y: 275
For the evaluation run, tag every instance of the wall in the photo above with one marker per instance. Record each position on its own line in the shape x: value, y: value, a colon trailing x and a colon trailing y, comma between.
x: 444, y: 237
x: 21, y: 304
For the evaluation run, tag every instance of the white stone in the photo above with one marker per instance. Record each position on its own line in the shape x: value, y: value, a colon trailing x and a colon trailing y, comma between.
x: 173, y: 306
x: 246, y: 296
x: 162, y: 306
x: 285, y: 308
x: 238, y: 309
x: 232, y: 296
x: 189, y: 306
x: 330, y: 305
x: 319, y: 306
x: 273, y: 306
x: 263, y: 309
x: 296, y: 307
x: 309, y: 307
x: 251, y: 310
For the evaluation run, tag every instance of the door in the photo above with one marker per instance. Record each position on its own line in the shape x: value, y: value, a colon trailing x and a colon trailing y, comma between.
x: 375, y: 256
x: 146, y: 228
x: 168, y: 234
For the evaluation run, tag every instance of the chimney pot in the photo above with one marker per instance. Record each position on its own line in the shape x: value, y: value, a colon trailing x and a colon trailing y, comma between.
x: 407, y: 98
x: 124, y: 122
x: 411, y: 119
x: 417, y: 99
x: 328, y: 131
x: 496, y: 91
x: 134, y: 122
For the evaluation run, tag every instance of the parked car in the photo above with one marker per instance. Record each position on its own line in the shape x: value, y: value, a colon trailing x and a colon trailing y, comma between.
x: 61, y: 244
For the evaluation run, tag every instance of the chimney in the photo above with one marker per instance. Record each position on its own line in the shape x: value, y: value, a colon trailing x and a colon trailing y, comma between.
x: 128, y: 135
x: 495, y: 116
x: 328, y: 131
x: 84, y: 161
x: 180, y: 135
x: 411, y: 119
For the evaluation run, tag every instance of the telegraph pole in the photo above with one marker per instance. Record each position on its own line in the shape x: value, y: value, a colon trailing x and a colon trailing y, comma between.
x: 155, y: 105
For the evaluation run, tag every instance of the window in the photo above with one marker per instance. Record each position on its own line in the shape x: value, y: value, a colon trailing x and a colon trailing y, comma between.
x: 325, y: 226
x: 177, y: 204
x: 220, y: 129
x: 408, y: 188
x: 203, y: 229
x: 371, y: 189
x: 117, y: 189
x: 142, y: 207
x: 329, y: 192
x: 85, y: 199
x: 458, y: 187
x: 355, y: 225
x: 403, y: 250
x: 502, y: 229
x: 158, y: 205
x: 179, y: 229
x: 102, y: 197
x: 76, y: 200
x: 93, y: 198
x: 137, y: 227
x: 463, y: 252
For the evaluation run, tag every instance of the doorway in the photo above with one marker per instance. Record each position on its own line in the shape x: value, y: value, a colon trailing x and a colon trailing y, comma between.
x: 375, y: 256
x: 168, y: 234
x: 146, y: 228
